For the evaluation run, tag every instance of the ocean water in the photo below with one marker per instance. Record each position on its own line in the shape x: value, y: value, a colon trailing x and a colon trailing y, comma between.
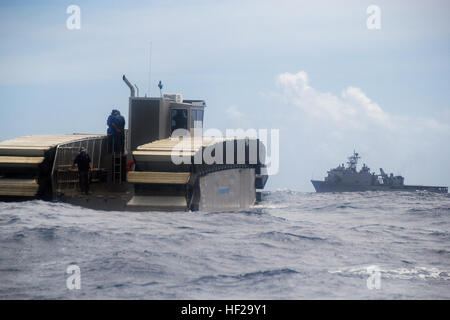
x: 293, y: 245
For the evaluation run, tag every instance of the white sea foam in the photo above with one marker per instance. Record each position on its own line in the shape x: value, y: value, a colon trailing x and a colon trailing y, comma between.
x: 418, y: 272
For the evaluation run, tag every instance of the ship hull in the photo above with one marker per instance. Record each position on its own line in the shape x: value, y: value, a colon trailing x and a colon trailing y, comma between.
x: 40, y: 167
x: 322, y: 186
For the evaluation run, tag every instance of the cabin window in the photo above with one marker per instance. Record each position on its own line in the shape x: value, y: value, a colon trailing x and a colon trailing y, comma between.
x: 196, y: 118
x: 193, y: 118
x: 178, y: 119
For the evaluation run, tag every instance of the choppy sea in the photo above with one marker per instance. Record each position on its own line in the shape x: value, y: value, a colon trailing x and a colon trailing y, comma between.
x: 293, y: 245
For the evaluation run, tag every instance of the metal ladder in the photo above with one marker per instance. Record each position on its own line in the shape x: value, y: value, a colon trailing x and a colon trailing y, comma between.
x: 117, y: 167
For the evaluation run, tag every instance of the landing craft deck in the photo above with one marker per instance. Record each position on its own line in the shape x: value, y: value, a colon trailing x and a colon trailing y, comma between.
x: 158, y: 177
x: 20, y: 161
x: 162, y: 150
x: 18, y: 187
x: 36, y: 145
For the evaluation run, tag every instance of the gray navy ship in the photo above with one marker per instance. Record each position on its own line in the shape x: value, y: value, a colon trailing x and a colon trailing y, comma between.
x: 348, y: 179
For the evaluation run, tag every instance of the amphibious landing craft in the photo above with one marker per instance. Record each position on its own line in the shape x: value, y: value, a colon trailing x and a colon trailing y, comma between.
x: 344, y: 179
x: 215, y: 174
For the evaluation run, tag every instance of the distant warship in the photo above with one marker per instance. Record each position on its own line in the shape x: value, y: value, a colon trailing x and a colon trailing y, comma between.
x: 346, y: 179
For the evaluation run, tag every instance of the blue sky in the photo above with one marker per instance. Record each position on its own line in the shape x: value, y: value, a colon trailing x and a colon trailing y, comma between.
x: 309, y: 68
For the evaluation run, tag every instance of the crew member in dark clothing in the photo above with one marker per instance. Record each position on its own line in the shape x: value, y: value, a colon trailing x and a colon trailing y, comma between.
x: 112, y: 131
x: 83, y: 162
x: 120, y: 120
x: 116, y: 131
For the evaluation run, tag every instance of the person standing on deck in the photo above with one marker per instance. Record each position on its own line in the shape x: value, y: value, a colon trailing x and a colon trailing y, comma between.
x: 112, y: 131
x: 83, y: 162
x: 120, y: 120
x: 116, y: 131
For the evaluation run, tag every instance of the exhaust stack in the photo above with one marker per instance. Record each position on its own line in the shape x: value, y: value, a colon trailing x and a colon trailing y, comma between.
x: 129, y: 85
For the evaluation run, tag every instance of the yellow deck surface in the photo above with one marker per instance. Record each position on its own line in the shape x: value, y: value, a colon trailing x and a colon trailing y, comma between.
x: 21, y: 160
x: 36, y: 145
x: 158, y: 177
x: 18, y: 187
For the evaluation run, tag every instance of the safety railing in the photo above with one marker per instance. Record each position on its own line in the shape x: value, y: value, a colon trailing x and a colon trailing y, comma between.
x: 64, y: 177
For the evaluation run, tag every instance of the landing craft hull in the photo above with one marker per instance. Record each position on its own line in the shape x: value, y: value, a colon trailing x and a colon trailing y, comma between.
x: 39, y: 167
x: 159, y: 182
x: 322, y: 186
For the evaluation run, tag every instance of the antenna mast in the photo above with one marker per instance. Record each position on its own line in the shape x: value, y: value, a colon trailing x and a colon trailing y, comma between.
x: 149, y: 69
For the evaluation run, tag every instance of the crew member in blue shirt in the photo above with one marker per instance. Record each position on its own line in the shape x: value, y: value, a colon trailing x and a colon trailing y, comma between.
x: 116, y: 131
x: 120, y: 120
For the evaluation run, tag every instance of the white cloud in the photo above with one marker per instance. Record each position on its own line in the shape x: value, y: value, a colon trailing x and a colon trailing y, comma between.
x: 237, y: 118
x: 351, y: 110
x: 234, y: 113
